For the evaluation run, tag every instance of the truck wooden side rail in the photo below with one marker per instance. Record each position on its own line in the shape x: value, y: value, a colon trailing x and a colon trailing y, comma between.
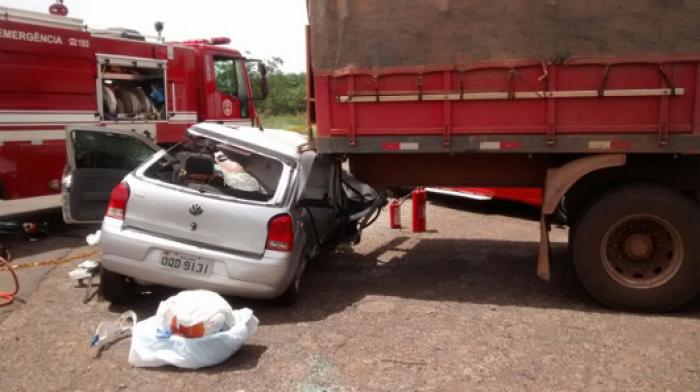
x: 595, y: 103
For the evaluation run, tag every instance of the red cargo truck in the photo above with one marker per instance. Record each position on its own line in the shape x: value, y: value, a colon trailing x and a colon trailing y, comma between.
x: 596, y: 102
x: 55, y: 71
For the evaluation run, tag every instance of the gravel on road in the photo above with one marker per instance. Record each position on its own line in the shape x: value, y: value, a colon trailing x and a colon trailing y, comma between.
x: 456, y: 308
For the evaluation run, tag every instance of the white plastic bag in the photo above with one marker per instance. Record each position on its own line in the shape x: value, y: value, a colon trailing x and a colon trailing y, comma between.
x: 195, y: 314
x: 111, y: 331
x: 94, y: 238
x: 153, y: 343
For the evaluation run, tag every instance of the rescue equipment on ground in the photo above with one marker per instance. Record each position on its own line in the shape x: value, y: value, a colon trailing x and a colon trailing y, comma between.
x: 108, y: 332
x: 395, y: 214
x: 84, y: 275
x: 395, y: 211
x: 50, y: 262
x: 86, y: 271
x: 6, y: 297
x: 30, y: 230
x: 418, y: 201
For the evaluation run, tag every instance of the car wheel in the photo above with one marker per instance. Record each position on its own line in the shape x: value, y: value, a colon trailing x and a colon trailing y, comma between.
x: 116, y: 288
x: 636, y: 249
x: 291, y: 294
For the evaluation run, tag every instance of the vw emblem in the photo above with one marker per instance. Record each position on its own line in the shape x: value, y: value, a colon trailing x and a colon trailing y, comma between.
x: 196, y: 209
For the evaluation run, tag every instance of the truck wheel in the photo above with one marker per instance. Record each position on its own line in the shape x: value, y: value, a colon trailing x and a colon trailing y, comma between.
x: 116, y: 288
x: 637, y: 249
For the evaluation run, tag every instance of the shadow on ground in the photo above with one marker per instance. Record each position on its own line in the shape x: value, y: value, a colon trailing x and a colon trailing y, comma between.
x: 487, y: 207
x: 245, y: 359
x: 499, y: 273
x: 59, y: 235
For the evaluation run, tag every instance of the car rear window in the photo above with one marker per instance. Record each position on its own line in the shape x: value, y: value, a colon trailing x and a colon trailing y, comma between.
x: 220, y: 169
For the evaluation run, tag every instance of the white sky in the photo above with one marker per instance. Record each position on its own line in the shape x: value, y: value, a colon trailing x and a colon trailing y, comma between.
x: 265, y: 28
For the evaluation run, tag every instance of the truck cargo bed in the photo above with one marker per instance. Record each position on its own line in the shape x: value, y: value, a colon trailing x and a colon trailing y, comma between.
x: 496, y: 76
x: 389, y: 33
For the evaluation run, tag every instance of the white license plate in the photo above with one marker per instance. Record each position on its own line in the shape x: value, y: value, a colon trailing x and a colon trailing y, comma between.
x: 186, y: 263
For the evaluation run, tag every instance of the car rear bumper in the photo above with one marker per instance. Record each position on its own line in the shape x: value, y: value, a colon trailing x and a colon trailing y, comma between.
x: 137, y: 254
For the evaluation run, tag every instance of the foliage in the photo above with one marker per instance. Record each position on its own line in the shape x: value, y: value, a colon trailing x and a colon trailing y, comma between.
x: 291, y: 122
x: 287, y: 91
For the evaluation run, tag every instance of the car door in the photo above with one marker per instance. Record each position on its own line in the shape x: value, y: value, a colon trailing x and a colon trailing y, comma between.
x: 334, y: 202
x: 98, y: 158
x: 318, y: 202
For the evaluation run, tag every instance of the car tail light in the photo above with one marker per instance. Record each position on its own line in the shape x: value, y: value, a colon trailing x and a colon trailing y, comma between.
x: 117, y: 202
x: 280, y: 233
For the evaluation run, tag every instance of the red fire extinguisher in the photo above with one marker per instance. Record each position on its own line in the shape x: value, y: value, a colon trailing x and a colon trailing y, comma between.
x: 418, y: 201
x: 395, y: 214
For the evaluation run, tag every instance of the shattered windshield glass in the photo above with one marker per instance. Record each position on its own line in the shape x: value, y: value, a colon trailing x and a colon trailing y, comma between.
x: 219, y: 169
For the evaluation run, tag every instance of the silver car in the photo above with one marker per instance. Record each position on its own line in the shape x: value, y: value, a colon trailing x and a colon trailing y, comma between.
x: 235, y: 210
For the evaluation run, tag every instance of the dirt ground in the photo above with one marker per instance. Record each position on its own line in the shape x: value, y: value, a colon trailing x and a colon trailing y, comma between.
x: 457, y: 308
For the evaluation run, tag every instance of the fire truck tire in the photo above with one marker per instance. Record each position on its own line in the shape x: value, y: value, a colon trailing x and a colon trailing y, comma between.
x: 116, y: 288
x: 637, y: 249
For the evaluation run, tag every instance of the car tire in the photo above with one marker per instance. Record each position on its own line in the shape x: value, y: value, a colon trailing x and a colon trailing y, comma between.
x: 291, y: 294
x: 116, y: 288
x: 636, y: 249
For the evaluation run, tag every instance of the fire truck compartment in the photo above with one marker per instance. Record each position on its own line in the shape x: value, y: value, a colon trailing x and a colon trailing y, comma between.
x: 132, y: 88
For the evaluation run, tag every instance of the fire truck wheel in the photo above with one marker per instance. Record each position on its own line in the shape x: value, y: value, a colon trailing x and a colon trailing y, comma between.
x: 116, y: 288
x: 637, y: 249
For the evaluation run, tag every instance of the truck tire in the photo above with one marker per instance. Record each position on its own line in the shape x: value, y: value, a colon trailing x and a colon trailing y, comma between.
x: 116, y: 288
x: 637, y: 248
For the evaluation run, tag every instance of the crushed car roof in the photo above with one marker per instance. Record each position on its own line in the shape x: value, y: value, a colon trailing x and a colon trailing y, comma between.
x: 273, y: 141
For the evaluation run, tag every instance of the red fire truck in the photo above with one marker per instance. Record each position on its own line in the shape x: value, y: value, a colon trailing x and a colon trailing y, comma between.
x: 56, y: 71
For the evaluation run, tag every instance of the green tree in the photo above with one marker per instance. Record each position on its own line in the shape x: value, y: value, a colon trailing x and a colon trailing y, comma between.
x: 287, y: 91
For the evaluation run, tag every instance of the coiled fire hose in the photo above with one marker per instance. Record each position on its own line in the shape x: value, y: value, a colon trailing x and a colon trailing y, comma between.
x: 6, y: 297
